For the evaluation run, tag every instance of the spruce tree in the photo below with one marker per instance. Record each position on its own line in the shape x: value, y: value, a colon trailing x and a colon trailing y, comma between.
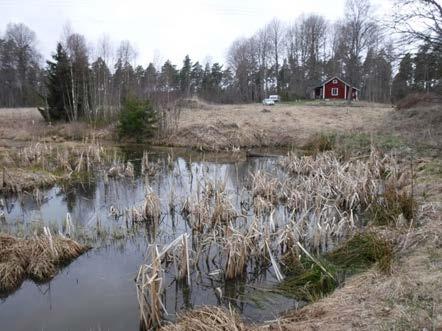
x: 184, y: 76
x: 402, y: 82
x: 58, y: 86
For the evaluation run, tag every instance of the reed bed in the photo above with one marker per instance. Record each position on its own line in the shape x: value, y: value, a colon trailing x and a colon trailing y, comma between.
x: 37, y: 258
x: 148, y: 168
x: 42, y: 164
x: 68, y: 158
x: 308, y: 207
x: 328, y: 196
x: 150, y: 279
x: 210, y: 208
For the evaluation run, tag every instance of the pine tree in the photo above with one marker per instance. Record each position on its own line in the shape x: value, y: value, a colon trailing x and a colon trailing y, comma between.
x: 428, y: 68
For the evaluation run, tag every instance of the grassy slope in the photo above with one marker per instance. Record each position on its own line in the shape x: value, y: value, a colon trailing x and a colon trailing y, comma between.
x: 218, y: 127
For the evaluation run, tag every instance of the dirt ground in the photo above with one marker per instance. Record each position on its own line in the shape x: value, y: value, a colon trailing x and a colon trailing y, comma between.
x: 221, y: 127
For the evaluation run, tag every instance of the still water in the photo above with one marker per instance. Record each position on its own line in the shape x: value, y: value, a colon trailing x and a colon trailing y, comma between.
x: 97, y: 290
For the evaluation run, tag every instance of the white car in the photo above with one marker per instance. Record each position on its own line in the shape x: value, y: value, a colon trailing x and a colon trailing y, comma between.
x: 275, y: 98
x: 268, y: 102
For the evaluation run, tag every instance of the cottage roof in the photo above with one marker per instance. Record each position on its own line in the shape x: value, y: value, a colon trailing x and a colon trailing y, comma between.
x: 336, y: 77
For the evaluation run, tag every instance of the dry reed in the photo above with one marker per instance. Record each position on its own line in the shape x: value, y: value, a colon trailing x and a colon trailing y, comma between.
x: 208, y: 318
x: 149, y: 285
x: 37, y: 258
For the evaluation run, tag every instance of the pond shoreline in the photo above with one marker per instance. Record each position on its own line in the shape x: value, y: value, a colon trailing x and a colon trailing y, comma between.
x: 365, y: 300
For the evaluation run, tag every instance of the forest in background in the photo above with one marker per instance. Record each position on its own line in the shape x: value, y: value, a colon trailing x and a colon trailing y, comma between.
x: 285, y: 58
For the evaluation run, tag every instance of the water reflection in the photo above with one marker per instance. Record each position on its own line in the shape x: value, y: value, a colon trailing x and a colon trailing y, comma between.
x: 97, y: 290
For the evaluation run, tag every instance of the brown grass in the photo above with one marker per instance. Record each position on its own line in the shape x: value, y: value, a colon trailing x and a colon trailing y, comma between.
x: 219, y: 127
x: 18, y: 125
x: 421, y: 126
x: 37, y: 258
x: 207, y: 318
x: 414, y: 99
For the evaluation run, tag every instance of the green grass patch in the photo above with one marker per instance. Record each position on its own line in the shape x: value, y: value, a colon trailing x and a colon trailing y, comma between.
x: 361, y: 252
x: 349, y: 144
x: 309, y: 281
x: 361, y: 143
x: 433, y: 168
x: 385, y: 209
x: 321, y: 142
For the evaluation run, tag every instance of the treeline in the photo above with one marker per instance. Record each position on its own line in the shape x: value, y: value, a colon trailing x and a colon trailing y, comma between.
x: 292, y: 59
x: 420, y: 72
x: 21, y: 75
x: 288, y: 59
x: 78, y: 88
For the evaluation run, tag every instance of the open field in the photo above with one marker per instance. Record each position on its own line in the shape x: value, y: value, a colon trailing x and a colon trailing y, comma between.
x: 220, y: 127
x: 225, y: 127
x: 20, y: 125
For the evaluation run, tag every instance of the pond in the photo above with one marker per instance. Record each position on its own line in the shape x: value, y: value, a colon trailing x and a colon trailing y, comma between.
x: 97, y: 291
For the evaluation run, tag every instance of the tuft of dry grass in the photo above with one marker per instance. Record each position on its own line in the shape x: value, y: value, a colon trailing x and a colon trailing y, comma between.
x: 37, y: 258
x: 320, y: 142
x: 210, y: 208
x: 151, y: 209
x: 265, y: 186
x: 207, y: 318
x: 42, y: 164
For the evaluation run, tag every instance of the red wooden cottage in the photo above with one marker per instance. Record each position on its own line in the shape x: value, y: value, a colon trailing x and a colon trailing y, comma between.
x: 335, y: 88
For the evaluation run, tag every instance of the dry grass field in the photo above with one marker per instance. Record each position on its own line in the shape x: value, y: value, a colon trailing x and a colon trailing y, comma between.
x: 221, y: 127
x: 224, y: 127
x: 21, y: 125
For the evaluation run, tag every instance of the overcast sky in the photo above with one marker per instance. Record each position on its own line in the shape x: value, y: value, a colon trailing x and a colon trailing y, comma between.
x: 165, y: 29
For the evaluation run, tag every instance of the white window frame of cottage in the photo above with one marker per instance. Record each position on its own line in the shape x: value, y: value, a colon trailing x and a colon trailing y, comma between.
x: 335, y: 81
x: 335, y: 91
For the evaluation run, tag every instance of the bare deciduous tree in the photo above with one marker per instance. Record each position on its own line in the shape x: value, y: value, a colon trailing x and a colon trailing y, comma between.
x: 419, y: 21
